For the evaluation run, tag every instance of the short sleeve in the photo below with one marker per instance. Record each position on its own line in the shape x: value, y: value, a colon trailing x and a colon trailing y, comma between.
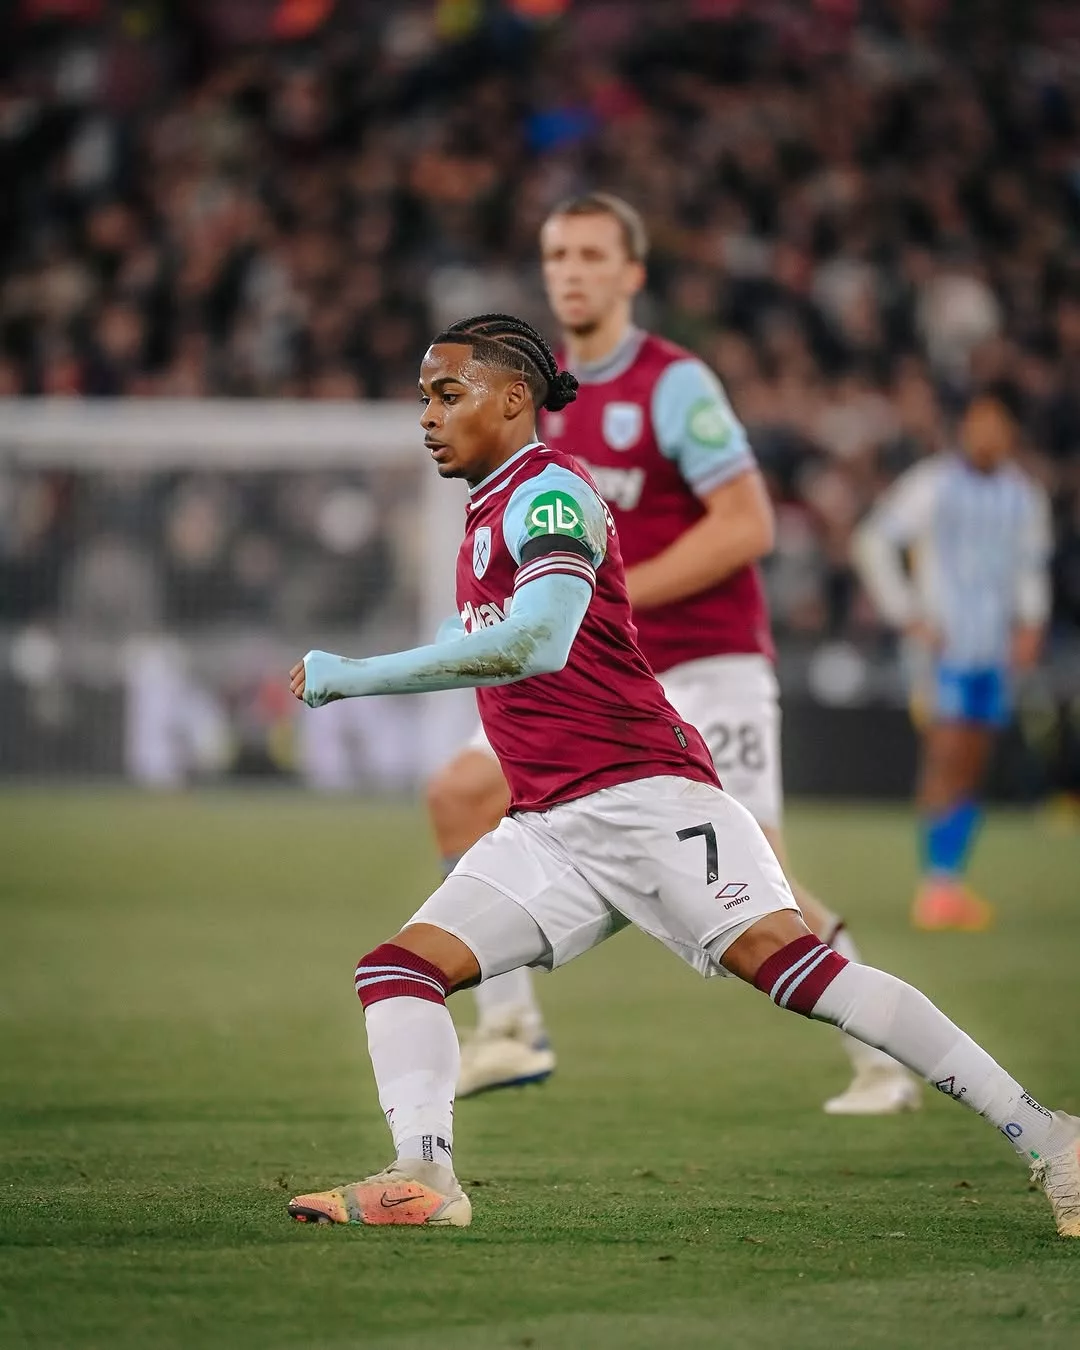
x: 696, y: 427
x: 557, y: 506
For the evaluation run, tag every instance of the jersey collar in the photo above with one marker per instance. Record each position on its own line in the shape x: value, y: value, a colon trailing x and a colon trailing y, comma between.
x: 617, y: 362
x: 493, y: 478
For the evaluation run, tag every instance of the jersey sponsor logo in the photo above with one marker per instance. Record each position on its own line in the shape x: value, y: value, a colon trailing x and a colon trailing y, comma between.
x: 709, y: 423
x: 481, y: 550
x: 483, y: 616
x: 622, y: 424
x: 620, y: 487
x: 554, y: 512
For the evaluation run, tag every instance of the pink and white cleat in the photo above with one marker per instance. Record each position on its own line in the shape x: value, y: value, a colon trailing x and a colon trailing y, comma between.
x: 407, y: 1192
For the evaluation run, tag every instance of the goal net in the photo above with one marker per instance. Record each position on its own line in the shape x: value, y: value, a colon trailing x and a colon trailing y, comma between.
x: 164, y: 563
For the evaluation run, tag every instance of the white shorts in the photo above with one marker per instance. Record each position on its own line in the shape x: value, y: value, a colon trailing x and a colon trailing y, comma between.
x: 734, y: 701
x: 681, y: 860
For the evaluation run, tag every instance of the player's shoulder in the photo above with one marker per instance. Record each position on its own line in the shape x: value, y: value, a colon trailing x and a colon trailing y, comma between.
x: 660, y: 352
x: 1033, y: 493
x: 553, y: 469
x: 911, y: 501
x: 556, y: 497
x: 1023, y: 478
x: 930, y: 472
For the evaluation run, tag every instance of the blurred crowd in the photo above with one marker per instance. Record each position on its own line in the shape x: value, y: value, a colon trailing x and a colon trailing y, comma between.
x: 860, y: 209
x: 120, y: 553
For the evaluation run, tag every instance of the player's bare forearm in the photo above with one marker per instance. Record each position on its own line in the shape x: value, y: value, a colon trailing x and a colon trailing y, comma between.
x: 737, y: 529
x: 1027, y: 645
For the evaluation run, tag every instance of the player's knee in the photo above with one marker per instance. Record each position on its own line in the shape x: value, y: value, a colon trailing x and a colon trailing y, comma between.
x: 448, y: 791
x: 439, y: 792
x: 469, y: 788
x: 394, y: 971
x: 769, y: 935
x: 424, y: 961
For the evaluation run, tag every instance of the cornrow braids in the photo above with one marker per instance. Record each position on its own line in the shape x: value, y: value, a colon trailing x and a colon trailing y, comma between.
x: 500, y: 338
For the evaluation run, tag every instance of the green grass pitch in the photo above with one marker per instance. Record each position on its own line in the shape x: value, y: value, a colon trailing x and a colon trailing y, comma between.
x: 182, y: 1051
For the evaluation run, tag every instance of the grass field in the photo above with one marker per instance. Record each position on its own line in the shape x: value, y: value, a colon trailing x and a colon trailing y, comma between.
x: 183, y: 1051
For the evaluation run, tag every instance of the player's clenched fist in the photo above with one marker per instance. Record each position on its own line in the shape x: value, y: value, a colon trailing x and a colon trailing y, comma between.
x: 297, y: 678
x: 316, y: 680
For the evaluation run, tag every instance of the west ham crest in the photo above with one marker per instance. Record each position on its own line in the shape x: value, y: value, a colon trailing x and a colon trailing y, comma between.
x: 481, y: 550
x: 622, y: 425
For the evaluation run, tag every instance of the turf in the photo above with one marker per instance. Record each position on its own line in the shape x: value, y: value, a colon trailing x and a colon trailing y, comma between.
x: 183, y: 1050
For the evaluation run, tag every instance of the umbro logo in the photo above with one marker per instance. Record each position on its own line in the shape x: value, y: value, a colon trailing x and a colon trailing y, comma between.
x: 735, y: 893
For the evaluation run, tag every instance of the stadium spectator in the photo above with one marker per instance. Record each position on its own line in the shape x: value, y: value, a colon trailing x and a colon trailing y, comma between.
x: 861, y: 211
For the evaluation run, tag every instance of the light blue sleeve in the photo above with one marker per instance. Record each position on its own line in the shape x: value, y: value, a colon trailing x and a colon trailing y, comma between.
x: 534, y: 639
x: 451, y: 627
x: 556, y: 502
x: 696, y: 427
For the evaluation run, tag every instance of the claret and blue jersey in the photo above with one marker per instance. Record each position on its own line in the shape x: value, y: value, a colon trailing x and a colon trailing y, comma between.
x: 653, y: 427
x: 602, y: 719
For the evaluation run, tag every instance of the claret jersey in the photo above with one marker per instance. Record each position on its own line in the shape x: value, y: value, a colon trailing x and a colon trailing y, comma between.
x: 655, y: 431
x: 603, y: 719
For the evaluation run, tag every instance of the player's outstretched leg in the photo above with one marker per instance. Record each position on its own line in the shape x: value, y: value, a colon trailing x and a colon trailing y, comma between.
x: 955, y: 755
x: 509, y: 1046
x: 414, y: 1052
x: 880, y: 1086
x: 800, y: 973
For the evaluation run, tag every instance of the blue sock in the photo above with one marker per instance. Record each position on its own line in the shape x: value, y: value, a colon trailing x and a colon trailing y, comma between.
x: 947, y: 838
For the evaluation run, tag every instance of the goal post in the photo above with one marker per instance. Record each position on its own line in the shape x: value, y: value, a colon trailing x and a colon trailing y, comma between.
x: 163, y: 561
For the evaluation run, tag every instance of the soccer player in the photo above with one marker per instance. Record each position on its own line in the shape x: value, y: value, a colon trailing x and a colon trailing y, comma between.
x: 616, y: 813
x: 974, y: 610
x: 653, y: 427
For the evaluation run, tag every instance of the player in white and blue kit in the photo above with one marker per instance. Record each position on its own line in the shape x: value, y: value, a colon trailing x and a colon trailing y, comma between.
x: 973, y: 605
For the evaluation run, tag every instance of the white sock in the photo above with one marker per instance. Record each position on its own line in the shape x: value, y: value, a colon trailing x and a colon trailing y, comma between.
x: 885, y: 1012
x: 864, y: 1058
x: 510, y: 996
x: 414, y: 1052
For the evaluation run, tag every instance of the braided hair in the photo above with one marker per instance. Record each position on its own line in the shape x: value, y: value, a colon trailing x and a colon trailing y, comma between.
x: 507, y: 343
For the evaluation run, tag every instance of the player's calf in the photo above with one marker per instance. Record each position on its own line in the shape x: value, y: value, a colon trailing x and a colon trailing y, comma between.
x: 805, y: 976
x: 414, y: 1053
